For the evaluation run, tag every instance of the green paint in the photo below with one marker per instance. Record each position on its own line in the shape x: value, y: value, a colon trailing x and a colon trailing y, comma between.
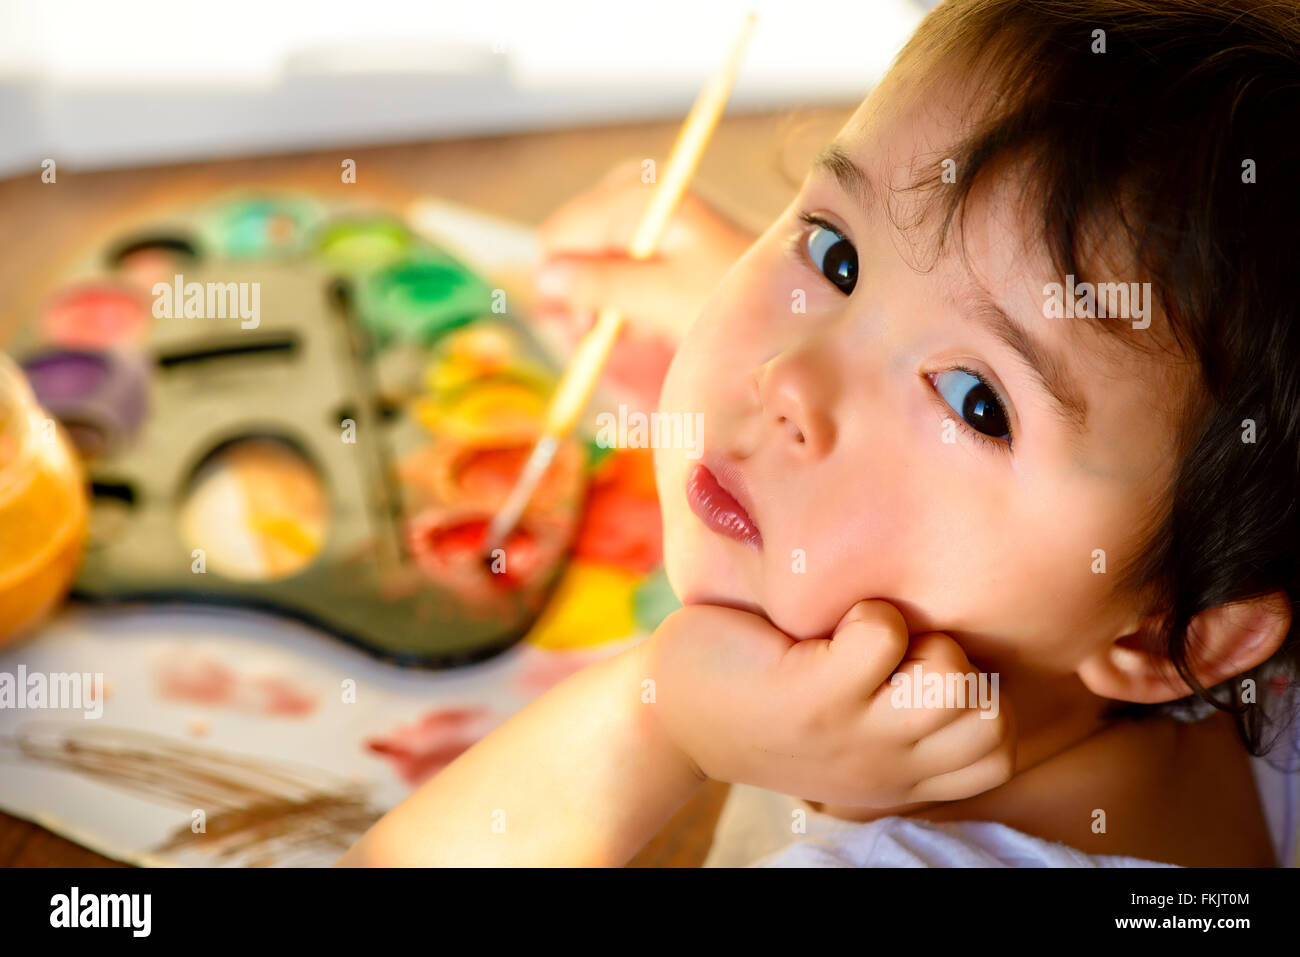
x: 363, y: 245
x: 654, y: 601
x: 420, y: 298
x: 249, y: 228
x: 349, y: 589
x: 596, y: 453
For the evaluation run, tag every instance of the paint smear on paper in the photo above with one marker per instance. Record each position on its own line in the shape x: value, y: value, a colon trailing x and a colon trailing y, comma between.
x: 543, y: 670
x: 207, y: 682
x: 420, y: 750
x: 621, y: 524
x: 260, y: 811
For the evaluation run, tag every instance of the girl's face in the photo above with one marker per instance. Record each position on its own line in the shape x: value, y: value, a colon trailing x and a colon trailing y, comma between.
x: 925, y: 436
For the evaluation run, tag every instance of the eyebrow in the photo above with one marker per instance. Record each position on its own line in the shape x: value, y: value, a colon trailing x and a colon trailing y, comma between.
x: 853, y: 179
x: 1052, y: 373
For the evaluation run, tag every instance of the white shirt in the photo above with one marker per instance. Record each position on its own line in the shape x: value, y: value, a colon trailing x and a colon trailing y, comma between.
x: 762, y: 828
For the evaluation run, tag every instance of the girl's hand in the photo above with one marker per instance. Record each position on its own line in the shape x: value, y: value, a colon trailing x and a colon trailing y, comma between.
x: 814, y: 718
x: 585, y: 265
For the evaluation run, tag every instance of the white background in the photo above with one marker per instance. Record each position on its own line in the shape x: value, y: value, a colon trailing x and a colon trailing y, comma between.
x: 97, y: 84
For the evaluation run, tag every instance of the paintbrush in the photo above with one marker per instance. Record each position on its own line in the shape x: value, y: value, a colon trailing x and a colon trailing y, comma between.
x: 583, y: 370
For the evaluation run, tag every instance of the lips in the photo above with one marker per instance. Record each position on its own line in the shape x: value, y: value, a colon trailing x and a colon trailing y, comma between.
x: 718, y: 509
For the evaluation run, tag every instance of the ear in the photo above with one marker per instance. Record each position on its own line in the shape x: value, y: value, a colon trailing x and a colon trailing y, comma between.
x: 1223, y: 642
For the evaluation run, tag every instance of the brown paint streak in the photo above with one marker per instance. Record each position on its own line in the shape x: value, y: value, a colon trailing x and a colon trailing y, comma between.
x: 258, y: 811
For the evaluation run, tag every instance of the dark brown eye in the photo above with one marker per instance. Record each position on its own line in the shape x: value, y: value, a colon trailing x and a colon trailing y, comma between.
x: 834, y: 256
x: 974, y: 400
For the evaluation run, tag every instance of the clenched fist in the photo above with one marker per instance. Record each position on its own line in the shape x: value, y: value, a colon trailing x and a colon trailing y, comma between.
x: 821, y: 718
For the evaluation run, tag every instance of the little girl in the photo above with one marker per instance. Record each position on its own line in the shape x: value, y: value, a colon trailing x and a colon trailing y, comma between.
x: 990, y: 554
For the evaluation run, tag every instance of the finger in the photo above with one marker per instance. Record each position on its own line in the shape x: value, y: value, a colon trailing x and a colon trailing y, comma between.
x: 966, y: 737
x: 936, y: 651
x: 605, y: 218
x: 602, y: 219
x: 899, y: 703
x: 562, y: 321
x: 981, y: 768
x: 642, y: 290
x: 991, y: 771
x: 868, y: 643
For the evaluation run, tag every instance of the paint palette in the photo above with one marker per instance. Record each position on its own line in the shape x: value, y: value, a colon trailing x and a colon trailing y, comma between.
x: 310, y: 410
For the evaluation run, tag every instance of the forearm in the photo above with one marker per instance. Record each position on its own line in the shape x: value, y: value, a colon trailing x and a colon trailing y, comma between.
x: 582, y: 776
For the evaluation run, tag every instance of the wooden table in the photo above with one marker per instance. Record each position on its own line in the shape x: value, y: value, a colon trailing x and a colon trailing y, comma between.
x: 751, y: 170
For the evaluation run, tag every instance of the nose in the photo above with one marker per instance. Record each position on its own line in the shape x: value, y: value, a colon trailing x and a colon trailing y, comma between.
x: 794, y: 391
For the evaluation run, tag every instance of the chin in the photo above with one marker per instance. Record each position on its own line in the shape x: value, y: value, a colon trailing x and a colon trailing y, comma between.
x: 702, y: 574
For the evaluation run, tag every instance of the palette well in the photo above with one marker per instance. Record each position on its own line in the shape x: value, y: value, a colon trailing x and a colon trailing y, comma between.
x: 332, y: 460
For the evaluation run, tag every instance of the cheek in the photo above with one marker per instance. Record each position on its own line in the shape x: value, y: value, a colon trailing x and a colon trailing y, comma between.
x: 726, y: 342
x: 836, y: 554
x: 712, y: 375
x: 1030, y: 578
x: 854, y: 527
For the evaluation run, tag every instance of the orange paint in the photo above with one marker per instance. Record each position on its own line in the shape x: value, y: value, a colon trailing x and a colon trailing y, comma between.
x: 621, y: 525
x: 480, y: 477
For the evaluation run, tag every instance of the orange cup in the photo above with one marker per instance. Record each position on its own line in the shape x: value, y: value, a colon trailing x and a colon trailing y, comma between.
x: 43, y: 508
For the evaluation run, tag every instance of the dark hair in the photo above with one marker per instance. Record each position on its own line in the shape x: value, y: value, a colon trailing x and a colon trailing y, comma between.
x: 1148, y: 142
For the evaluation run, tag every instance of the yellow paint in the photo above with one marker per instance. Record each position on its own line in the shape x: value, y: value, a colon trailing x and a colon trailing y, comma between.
x: 259, y: 512
x: 591, y: 606
x: 485, y: 350
x: 486, y: 344
x: 501, y: 413
x: 453, y: 375
x: 284, y: 529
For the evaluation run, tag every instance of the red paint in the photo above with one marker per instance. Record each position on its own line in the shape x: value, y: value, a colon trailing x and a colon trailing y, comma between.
x: 621, y: 524
x: 480, y: 477
x: 449, y: 549
x: 95, y: 317
x: 418, y: 751
x: 205, y: 681
x: 543, y: 670
x: 490, y: 473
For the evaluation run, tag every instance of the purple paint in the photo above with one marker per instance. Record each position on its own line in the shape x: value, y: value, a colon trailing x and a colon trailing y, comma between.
x: 61, y: 376
x: 101, y: 397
